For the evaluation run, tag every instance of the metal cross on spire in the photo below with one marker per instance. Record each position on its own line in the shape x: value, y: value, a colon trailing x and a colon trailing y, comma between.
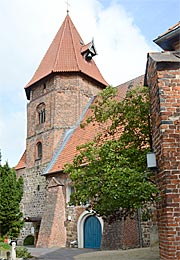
x: 68, y: 5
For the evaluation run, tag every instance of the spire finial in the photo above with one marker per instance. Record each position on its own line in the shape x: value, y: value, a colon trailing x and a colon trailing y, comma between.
x: 68, y: 5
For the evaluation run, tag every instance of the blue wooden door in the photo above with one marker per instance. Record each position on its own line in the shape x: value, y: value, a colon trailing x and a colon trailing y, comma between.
x: 92, y: 232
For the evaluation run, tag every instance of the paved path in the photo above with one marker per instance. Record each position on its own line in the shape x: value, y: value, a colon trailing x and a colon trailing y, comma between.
x: 57, y: 253
x: 131, y: 254
x: 89, y: 254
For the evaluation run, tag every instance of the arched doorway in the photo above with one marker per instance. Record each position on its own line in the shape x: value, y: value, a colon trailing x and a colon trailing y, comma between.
x: 92, y: 232
x: 86, y: 224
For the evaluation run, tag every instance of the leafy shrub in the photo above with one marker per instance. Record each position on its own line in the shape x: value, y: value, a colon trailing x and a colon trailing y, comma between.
x: 1, y: 239
x: 22, y: 251
x: 4, y: 246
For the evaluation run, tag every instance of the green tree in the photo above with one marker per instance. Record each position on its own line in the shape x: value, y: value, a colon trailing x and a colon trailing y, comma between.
x: 110, y: 172
x: 11, y: 191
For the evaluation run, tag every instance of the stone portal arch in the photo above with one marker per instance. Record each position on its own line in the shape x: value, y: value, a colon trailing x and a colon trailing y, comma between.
x: 80, y: 226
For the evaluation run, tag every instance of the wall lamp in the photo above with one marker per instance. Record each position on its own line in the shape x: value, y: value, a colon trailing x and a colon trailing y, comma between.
x: 151, y: 160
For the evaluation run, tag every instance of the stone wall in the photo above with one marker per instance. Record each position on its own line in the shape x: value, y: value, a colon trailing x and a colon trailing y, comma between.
x: 72, y: 216
x: 145, y: 227
x: 34, y: 195
x: 163, y: 79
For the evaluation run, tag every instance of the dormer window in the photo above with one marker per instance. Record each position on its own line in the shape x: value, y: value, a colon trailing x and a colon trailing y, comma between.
x: 41, y: 113
x: 89, y: 51
x: 88, y: 56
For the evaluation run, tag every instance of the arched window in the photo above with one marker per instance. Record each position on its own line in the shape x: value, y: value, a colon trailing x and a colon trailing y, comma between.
x: 39, y: 150
x: 41, y: 110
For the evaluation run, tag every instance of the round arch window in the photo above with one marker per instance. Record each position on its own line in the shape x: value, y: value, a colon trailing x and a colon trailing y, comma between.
x: 41, y: 110
x: 39, y: 150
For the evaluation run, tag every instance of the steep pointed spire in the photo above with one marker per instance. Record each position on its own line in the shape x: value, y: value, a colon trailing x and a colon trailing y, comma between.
x: 65, y: 55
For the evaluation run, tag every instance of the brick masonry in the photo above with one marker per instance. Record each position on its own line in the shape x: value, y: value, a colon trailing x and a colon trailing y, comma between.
x: 121, y: 234
x: 65, y: 97
x: 164, y: 83
x: 52, y: 231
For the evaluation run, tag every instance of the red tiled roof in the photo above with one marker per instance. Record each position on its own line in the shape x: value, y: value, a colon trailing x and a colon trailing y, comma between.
x: 22, y: 162
x: 82, y: 135
x: 64, y: 55
x: 123, y: 88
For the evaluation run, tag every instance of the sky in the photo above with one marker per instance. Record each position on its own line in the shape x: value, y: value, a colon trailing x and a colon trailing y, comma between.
x: 123, y: 32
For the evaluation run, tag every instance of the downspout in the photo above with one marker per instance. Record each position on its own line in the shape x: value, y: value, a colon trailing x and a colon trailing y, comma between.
x: 140, y: 228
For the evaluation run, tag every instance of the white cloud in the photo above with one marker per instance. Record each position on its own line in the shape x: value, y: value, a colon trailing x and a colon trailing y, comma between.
x: 12, y: 137
x: 30, y: 26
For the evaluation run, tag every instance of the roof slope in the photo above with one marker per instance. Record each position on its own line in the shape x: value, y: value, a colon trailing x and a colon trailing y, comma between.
x: 22, y: 162
x: 64, y: 55
x: 123, y: 88
x: 83, y: 135
x: 79, y: 136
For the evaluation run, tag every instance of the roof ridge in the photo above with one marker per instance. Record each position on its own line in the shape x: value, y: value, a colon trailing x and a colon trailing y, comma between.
x: 74, y: 47
x: 60, y: 42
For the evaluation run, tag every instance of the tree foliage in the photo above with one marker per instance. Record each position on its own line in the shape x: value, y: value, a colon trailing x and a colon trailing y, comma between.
x: 110, y: 172
x: 11, y: 191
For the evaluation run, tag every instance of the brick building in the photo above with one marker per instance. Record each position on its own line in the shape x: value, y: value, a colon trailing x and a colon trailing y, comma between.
x: 59, y: 96
x: 163, y: 78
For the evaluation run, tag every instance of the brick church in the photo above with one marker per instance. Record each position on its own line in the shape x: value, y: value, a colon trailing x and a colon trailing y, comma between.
x: 59, y: 96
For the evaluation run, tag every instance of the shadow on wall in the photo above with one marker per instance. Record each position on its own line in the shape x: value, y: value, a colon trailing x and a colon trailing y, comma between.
x: 29, y: 240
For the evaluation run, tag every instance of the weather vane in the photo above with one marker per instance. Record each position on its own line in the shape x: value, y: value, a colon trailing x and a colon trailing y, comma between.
x: 68, y: 5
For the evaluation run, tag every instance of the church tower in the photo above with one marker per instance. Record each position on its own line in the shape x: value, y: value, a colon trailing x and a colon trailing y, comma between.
x: 58, y: 93
x: 60, y: 89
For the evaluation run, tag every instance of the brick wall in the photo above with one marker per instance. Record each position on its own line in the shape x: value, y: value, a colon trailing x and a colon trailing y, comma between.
x: 52, y: 230
x: 164, y: 83
x: 121, y: 234
x: 65, y: 97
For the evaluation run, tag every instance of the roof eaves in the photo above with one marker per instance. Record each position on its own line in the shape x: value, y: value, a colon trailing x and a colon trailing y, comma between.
x: 165, y: 40
x: 170, y: 30
x: 103, y: 84
x: 165, y: 56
